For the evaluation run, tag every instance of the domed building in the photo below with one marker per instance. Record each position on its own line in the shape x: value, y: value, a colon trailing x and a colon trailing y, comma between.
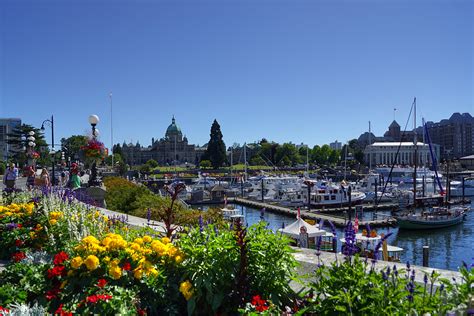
x: 169, y: 150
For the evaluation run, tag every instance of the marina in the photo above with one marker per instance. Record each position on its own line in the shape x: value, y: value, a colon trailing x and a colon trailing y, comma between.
x: 448, y: 247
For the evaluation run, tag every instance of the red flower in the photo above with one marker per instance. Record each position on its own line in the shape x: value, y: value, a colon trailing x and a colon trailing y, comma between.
x: 19, y: 226
x: 4, y: 310
x: 56, y: 271
x: 51, y: 294
x: 62, y: 312
x: 259, y: 303
x: 17, y: 257
x: 126, y: 266
x: 141, y: 312
x: 101, y: 283
x: 98, y: 297
x: 18, y: 242
x: 60, y: 258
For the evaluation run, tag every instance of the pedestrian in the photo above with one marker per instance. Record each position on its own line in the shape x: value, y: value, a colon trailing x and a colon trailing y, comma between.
x: 30, y: 177
x: 44, y: 177
x: 11, y: 174
x: 75, y: 181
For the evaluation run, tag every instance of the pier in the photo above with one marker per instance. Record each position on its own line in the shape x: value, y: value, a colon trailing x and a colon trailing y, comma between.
x: 316, y: 215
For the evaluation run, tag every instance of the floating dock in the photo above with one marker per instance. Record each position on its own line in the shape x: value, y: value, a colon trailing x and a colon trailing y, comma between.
x: 316, y: 215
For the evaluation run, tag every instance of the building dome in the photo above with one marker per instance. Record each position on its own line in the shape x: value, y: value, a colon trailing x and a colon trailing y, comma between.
x: 173, y: 130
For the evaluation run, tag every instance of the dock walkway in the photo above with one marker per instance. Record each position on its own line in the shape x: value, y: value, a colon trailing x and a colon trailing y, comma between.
x: 339, y: 221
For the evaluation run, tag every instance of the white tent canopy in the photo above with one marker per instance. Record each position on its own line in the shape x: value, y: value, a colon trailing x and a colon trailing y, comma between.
x: 293, y: 230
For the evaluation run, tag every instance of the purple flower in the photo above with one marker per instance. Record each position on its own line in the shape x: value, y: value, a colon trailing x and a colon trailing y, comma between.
x: 395, y: 271
x: 384, y: 276
x: 388, y: 271
x: 425, y: 279
x: 216, y: 231
x: 408, y: 265
x: 412, y: 277
x: 350, y: 247
x: 12, y: 226
x: 201, y: 224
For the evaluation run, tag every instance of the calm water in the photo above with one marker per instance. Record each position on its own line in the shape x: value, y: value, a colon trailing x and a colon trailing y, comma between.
x: 448, y: 246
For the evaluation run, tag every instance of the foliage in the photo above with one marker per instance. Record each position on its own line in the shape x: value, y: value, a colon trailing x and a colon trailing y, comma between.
x: 18, y: 140
x: 71, y: 146
x: 152, y: 163
x: 355, y: 287
x: 117, y: 159
x: 216, y: 150
x: 214, y: 259
x: 122, y: 195
x: 205, y: 164
x: 3, y: 167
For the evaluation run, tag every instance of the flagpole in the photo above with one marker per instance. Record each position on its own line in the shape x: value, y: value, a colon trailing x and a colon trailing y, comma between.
x: 111, y: 131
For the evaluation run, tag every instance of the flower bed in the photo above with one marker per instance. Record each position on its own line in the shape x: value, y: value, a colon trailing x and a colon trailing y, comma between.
x: 66, y: 258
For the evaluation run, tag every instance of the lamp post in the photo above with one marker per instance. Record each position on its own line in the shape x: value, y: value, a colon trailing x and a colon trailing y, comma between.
x: 94, y: 120
x: 51, y: 121
x: 31, y: 147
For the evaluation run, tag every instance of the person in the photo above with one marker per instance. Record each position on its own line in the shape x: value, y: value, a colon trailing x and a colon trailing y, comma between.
x: 11, y: 174
x: 64, y: 178
x: 75, y: 181
x: 30, y: 177
x: 44, y: 177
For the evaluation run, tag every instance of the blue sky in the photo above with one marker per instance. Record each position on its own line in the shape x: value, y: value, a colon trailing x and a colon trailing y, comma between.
x: 300, y: 71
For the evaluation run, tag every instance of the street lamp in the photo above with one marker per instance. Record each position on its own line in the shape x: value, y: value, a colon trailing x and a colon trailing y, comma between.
x: 51, y: 121
x: 31, y: 146
x: 94, y: 120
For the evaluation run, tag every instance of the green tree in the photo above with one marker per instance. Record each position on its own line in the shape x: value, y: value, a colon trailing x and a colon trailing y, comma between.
x: 268, y: 151
x: 287, y: 154
x: 152, y: 163
x: 204, y: 164
x: 117, y: 149
x: 117, y: 159
x: 71, y: 146
x: 17, y: 139
x: 257, y: 161
x: 216, y: 152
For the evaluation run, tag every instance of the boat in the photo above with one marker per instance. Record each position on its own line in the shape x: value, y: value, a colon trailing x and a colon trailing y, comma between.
x: 457, y: 190
x: 367, y: 246
x: 434, y: 217
x: 326, y: 193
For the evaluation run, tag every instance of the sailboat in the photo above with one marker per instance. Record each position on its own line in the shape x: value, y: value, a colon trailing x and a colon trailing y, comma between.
x: 433, y: 217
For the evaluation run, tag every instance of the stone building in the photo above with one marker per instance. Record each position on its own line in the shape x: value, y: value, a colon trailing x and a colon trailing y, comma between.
x: 385, y: 153
x: 455, y: 135
x: 172, y: 149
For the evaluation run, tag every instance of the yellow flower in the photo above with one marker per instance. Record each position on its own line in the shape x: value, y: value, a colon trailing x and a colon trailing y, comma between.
x: 178, y: 259
x: 106, y: 259
x: 137, y: 273
x: 139, y: 241
x: 115, y: 272
x: 92, y: 262
x: 106, y: 241
x: 63, y: 284
x: 186, y: 289
x: 76, y: 262
x: 146, y: 238
x: 165, y: 240
x: 53, y: 221
x: 32, y: 235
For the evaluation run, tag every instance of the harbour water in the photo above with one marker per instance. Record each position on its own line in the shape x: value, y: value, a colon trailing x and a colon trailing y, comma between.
x: 449, y: 247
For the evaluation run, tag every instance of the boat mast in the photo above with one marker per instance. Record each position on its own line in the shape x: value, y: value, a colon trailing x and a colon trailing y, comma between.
x: 415, y: 158
x: 370, y: 151
x: 245, y: 162
x: 307, y: 159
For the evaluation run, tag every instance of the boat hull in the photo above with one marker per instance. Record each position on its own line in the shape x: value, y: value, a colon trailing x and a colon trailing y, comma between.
x: 405, y: 223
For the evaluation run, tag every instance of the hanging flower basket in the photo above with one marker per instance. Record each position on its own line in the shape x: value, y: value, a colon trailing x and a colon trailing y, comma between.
x: 93, y: 151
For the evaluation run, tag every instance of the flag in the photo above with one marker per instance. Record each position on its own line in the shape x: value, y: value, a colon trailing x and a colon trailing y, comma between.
x: 356, y: 224
x: 299, y: 214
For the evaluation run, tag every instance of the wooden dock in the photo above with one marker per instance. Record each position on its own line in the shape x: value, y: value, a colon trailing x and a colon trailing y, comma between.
x: 339, y: 221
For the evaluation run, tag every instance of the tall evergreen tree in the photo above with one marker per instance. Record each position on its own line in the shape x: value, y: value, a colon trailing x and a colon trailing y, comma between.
x: 216, y: 152
x: 18, y: 142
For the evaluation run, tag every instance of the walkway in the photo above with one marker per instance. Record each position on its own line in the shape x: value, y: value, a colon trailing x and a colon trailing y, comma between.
x: 339, y: 221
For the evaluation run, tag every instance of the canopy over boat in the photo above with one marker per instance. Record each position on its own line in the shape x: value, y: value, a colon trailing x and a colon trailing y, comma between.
x: 293, y: 230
